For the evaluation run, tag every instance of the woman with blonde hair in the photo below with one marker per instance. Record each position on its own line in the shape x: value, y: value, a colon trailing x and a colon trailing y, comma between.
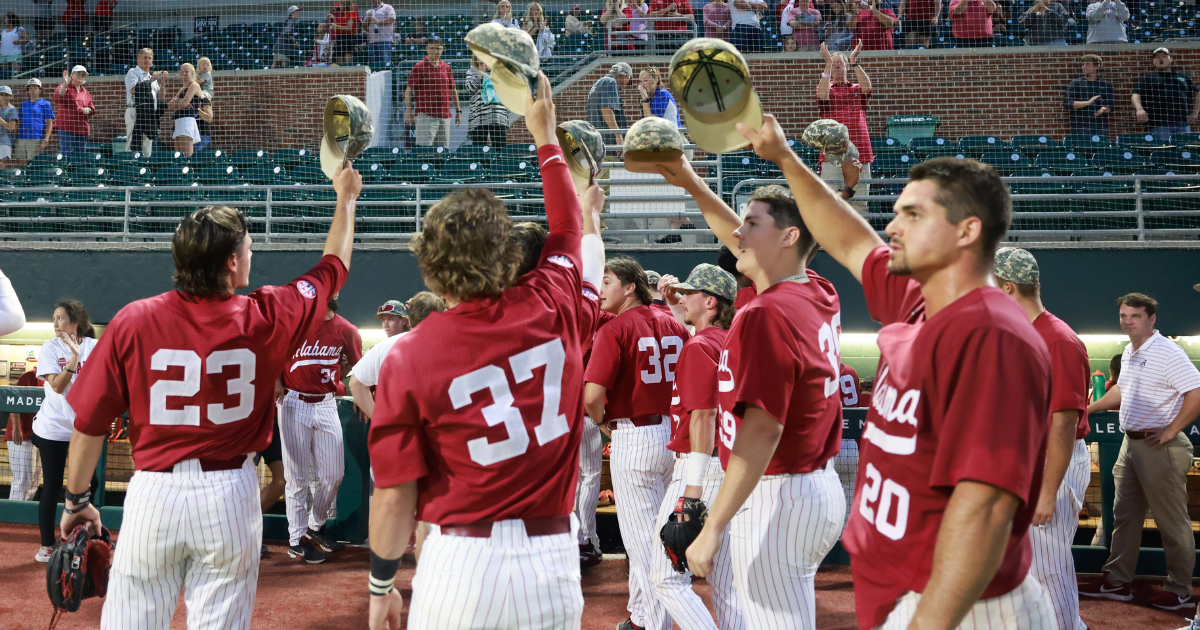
x: 539, y: 29
x: 183, y: 107
x: 504, y: 15
x: 618, y: 13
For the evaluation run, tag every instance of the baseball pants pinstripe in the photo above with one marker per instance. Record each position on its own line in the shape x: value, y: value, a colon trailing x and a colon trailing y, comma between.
x: 1053, y: 565
x: 1024, y: 608
x: 778, y: 539
x: 846, y: 465
x: 190, y: 529
x: 312, y: 440
x: 26, y: 469
x: 510, y: 581
x: 587, y: 490
x: 641, y: 470
x: 674, y: 589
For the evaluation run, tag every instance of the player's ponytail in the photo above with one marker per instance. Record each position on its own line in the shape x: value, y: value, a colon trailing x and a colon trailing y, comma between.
x: 628, y: 271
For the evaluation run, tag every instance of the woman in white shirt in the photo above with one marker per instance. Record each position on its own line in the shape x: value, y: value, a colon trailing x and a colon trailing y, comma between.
x: 59, y: 363
x: 539, y: 30
x: 12, y: 38
x: 504, y: 15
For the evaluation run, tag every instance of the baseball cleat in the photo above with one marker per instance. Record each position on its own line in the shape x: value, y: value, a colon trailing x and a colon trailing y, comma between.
x: 43, y: 554
x: 324, y: 541
x: 306, y: 552
x: 1194, y: 625
x: 629, y: 625
x: 589, y: 556
x: 263, y: 552
x: 1167, y: 600
x: 1104, y: 589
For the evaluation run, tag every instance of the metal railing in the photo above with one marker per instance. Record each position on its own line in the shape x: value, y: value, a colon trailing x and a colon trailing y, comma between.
x: 618, y: 38
x: 64, y: 47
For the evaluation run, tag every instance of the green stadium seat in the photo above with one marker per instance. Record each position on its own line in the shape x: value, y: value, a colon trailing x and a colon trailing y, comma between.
x: 247, y: 158
x: 176, y: 175
x: 90, y: 176
x: 892, y: 165
x: 1087, y: 145
x: 432, y: 155
x: 411, y: 172
x: 951, y: 151
x: 386, y: 156
x: 1061, y: 160
x: 219, y: 174
x: 1143, y: 142
x: 1006, y: 161
x: 976, y: 146
x: 309, y: 173
x: 740, y: 162
x: 210, y: 156
x: 1186, y: 139
x: 460, y: 170
x: 292, y: 157
x: 132, y: 175
x: 879, y: 146
x: 920, y: 147
x: 372, y: 172
x: 49, y: 176
x: 481, y: 153
x: 1119, y: 161
x: 1032, y: 145
x: 1178, y: 159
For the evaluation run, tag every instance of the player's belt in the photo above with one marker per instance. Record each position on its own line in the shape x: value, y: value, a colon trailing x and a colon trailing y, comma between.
x: 640, y: 421
x: 1137, y: 435
x: 209, y: 465
x: 312, y: 398
x: 533, y: 527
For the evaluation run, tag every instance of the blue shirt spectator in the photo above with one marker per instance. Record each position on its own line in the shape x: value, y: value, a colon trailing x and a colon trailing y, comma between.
x: 656, y: 100
x: 34, y: 114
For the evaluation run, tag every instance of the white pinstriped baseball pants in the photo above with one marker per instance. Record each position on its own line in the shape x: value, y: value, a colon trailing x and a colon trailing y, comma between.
x: 587, y: 489
x: 1024, y: 608
x: 846, y: 465
x: 1053, y: 565
x: 510, y: 581
x: 190, y: 529
x: 26, y: 468
x: 641, y: 469
x: 312, y: 440
x: 675, y: 590
x: 778, y: 539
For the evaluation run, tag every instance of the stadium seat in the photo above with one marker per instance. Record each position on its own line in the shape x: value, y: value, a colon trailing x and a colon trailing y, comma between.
x: 1006, y: 161
x: 292, y: 157
x: 1140, y: 141
x: 219, y: 174
x: 1085, y: 144
x: 1185, y: 139
x: 1032, y: 145
x: 1119, y: 161
x: 460, y: 170
x: 879, y: 146
x: 920, y: 147
x: 411, y: 172
x: 740, y: 162
x: 976, y: 146
x: 950, y: 151
x: 89, y: 176
x: 386, y: 156
x: 1178, y: 159
x: 49, y: 176
x: 1060, y: 160
x: 892, y: 164
x: 247, y: 158
x: 309, y: 173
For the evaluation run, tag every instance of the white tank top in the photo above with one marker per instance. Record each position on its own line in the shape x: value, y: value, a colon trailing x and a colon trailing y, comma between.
x: 8, y: 42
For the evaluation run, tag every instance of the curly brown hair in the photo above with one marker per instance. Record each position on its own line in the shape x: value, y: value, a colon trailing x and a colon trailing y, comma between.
x: 464, y: 248
x: 423, y: 305
x: 202, y: 245
x: 531, y: 239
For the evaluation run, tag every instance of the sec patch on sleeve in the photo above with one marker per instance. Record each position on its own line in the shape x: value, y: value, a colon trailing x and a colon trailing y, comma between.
x: 306, y: 289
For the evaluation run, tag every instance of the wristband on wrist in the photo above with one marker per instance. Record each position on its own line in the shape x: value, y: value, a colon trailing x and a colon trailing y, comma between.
x: 80, y: 500
x: 826, y: 76
x: 697, y: 468
x: 383, y: 575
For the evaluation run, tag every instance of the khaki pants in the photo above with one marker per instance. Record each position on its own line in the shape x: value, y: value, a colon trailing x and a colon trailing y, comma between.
x: 432, y: 132
x: 26, y: 150
x: 1156, y: 479
x: 830, y: 172
x: 130, y: 119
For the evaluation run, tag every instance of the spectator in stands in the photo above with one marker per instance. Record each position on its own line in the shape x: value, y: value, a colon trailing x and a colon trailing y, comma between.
x: 504, y: 15
x: 616, y: 18
x: 419, y: 36
x: 23, y: 459
x: 183, y: 107
x: 1106, y: 22
x: 75, y: 110
x: 43, y: 21
x: 1045, y: 23
x: 322, y: 46
x: 204, y: 118
x: 872, y: 26
x: 136, y: 75
x: 839, y: 99
x: 1158, y: 395
x: 285, y: 40
x: 656, y: 99
x: 717, y: 21
x: 747, y: 29
x: 204, y: 77
x: 8, y: 125
x: 37, y: 123
x: 489, y: 121
x: 670, y: 33
x: 58, y: 363
x: 789, y: 43
x: 539, y: 29
x: 971, y: 22
x: 605, y: 108
x: 103, y: 15
x: 638, y: 27
x: 575, y: 22
x: 148, y: 112
x: 1089, y: 99
x: 12, y: 44
x: 919, y: 19
x: 75, y: 19
x: 342, y: 27
x: 428, y: 96
x: 800, y: 21
x: 1165, y: 99
x: 380, y: 25
x: 835, y: 32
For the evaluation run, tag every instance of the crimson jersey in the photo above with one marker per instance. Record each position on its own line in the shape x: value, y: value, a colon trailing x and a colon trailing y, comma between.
x: 744, y: 296
x: 634, y: 357
x: 28, y: 379
x: 782, y: 355
x: 485, y: 409
x: 961, y: 396
x: 849, y: 387
x: 591, y: 318
x: 316, y: 366
x: 1069, y: 369
x: 197, y: 375
x: 695, y: 384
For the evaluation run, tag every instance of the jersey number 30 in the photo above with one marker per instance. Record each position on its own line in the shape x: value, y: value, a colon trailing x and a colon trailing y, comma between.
x: 553, y: 424
x: 241, y: 386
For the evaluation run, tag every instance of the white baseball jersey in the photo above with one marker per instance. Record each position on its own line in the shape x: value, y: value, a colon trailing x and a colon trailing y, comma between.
x: 587, y: 489
x: 26, y: 468
x: 675, y: 589
x: 366, y: 371
x: 1053, y: 565
x: 312, y: 445
x: 1024, y: 608
x: 54, y: 420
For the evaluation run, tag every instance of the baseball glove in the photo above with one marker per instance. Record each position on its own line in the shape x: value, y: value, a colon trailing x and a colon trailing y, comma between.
x: 78, y: 570
x: 681, y: 529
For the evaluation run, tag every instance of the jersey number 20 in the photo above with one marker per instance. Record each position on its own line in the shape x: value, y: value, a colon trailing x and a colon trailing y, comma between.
x: 553, y: 424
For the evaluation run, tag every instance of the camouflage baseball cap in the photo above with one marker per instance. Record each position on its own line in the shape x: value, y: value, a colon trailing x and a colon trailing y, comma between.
x: 513, y: 59
x: 711, y: 81
x: 651, y: 140
x: 653, y: 277
x: 831, y: 138
x: 392, y: 307
x: 585, y: 149
x: 710, y: 279
x: 1017, y: 265
x: 348, y: 131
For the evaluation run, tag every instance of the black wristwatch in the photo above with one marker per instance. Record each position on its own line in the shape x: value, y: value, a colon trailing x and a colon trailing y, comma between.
x: 647, y: 100
x: 849, y: 192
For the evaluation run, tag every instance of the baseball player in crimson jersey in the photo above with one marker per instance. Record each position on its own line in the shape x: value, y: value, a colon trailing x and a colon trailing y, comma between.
x: 780, y: 411
x: 23, y: 458
x: 846, y: 461
x: 312, y: 432
x: 1068, y: 464
x: 196, y: 369
x: 950, y: 464
x: 706, y: 299
x: 628, y: 393
x: 476, y: 431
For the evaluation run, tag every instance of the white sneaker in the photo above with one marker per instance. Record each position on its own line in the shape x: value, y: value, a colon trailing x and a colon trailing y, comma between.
x: 43, y: 554
x: 1195, y: 625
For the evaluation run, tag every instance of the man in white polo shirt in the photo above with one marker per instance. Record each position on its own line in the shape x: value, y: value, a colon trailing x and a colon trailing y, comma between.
x: 137, y: 74
x: 1158, y: 393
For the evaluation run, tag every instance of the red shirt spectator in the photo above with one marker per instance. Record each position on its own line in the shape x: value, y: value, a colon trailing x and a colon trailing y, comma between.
x: 104, y: 8
x: 70, y: 104
x: 432, y: 86
x: 874, y: 34
x: 76, y: 12
x: 682, y: 7
x: 847, y: 104
x: 919, y: 10
x: 975, y: 22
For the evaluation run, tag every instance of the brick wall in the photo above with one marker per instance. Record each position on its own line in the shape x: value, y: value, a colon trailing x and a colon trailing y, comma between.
x: 252, y: 109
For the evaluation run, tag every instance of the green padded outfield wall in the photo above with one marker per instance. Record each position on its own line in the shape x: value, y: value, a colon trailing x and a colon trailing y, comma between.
x: 1080, y: 285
